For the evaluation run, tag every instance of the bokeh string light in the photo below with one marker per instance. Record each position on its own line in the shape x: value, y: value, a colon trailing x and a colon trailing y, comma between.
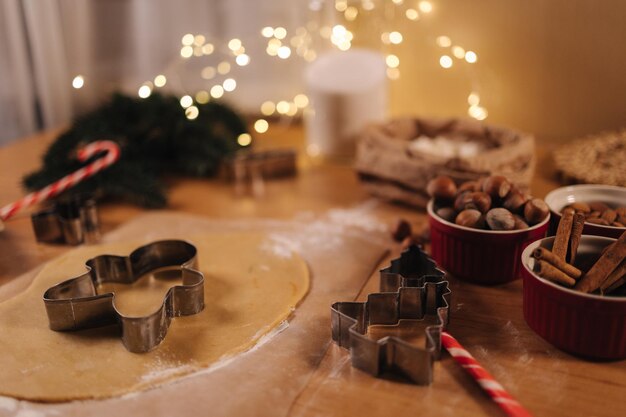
x: 283, y: 44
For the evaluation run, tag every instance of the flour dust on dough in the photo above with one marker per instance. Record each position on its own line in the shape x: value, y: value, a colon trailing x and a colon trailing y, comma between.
x: 249, y: 290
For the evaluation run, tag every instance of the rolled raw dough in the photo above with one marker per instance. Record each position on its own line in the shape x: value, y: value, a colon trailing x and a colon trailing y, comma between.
x: 249, y: 290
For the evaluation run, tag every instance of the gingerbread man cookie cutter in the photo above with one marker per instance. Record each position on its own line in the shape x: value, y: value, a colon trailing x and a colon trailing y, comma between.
x: 411, y: 288
x: 75, y: 304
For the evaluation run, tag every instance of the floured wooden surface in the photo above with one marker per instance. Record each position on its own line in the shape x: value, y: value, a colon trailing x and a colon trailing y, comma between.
x: 266, y: 380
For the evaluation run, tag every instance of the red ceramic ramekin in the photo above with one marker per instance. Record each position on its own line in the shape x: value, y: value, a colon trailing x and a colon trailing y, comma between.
x: 481, y: 256
x: 587, y: 325
x: 586, y: 193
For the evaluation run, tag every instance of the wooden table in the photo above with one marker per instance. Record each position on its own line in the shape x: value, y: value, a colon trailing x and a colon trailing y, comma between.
x: 487, y: 320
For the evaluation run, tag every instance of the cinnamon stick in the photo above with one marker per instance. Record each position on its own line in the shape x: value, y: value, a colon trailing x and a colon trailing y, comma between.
x: 545, y: 255
x: 563, y: 232
x: 599, y: 272
x: 614, y: 278
x: 552, y: 273
x: 577, y: 231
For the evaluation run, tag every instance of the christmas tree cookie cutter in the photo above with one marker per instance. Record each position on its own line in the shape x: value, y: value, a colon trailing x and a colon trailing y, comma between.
x: 75, y: 304
x: 411, y: 288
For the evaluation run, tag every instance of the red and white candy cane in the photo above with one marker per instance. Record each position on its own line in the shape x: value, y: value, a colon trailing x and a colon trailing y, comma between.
x: 487, y: 382
x: 111, y: 156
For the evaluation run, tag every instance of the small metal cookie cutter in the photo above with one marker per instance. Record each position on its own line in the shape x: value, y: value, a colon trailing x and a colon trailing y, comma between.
x: 411, y: 287
x: 70, y: 221
x: 75, y: 304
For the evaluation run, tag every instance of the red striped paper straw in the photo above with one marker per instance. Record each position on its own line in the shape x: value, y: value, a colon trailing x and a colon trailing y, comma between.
x: 57, y: 187
x: 487, y: 382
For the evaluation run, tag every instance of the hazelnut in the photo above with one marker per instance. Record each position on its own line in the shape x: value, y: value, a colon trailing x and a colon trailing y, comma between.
x: 463, y: 200
x: 581, y: 206
x: 469, y: 186
x: 593, y: 214
x: 481, y: 201
x: 621, y: 211
x: 520, y: 223
x: 535, y: 210
x: 622, y: 219
x: 609, y: 215
x: 446, y: 213
x: 500, y: 219
x: 514, y: 202
x: 497, y: 186
x: 470, y: 218
x: 617, y: 224
x: 598, y: 206
x: 401, y: 230
x: 441, y: 188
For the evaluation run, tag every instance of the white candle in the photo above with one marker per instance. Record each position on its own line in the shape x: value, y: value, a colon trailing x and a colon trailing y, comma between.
x: 347, y: 91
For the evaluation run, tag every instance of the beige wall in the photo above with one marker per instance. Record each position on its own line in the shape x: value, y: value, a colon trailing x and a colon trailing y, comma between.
x: 556, y: 68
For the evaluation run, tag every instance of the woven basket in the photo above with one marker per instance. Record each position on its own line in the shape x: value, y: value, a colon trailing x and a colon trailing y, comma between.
x: 389, y: 169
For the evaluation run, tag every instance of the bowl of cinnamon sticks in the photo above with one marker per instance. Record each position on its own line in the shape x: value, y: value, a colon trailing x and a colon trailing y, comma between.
x: 604, y: 208
x: 575, y: 291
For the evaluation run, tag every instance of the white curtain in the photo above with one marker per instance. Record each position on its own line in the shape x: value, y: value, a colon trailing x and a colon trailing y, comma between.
x: 120, y: 44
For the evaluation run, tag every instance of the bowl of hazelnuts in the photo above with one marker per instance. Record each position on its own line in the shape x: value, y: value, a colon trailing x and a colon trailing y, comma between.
x: 604, y: 208
x: 478, y: 229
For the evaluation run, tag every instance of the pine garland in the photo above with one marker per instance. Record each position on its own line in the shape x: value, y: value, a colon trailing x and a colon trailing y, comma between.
x: 155, y: 138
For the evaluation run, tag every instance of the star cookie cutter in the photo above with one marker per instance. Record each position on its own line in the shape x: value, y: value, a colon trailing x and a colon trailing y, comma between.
x: 75, y: 304
x: 411, y: 288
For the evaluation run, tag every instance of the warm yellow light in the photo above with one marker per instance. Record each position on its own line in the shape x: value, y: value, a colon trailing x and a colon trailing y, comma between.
x: 282, y: 107
x: 186, y: 101
x: 458, y: 52
x: 471, y: 57
x: 392, y: 61
x: 473, y: 99
x: 292, y: 110
x: 223, y: 67
x: 208, y: 48
x: 187, y: 39
x: 197, y: 51
x: 284, y: 52
x: 217, y: 91
x: 202, y: 97
x: 411, y: 14
x: 271, y: 50
x: 261, y: 125
x: 192, y: 112
x: 398, y: 2
x: 274, y: 43
x: 244, y: 139
x: 239, y: 51
x: 344, y: 46
x: 444, y: 41
x: 445, y: 61
x: 234, y: 44
x: 267, y: 32
x: 207, y: 73
x: 144, y: 91
x: 351, y: 13
x: 310, y: 55
x: 242, y: 60
x: 341, y: 5
x: 313, y: 150
x: 268, y: 108
x: 384, y: 37
x: 326, y: 31
x: 301, y: 100
x: 425, y: 6
x: 367, y: 5
x: 478, y: 112
x: 160, y: 80
x: 395, y: 37
x: 78, y: 82
x: 280, y: 32
x: 229, y: 84
x: 393, y: 73
x: 186, y: 51
x: 199, y: 40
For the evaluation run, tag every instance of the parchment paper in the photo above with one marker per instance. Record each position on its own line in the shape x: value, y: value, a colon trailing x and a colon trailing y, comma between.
x: 266, y: 380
